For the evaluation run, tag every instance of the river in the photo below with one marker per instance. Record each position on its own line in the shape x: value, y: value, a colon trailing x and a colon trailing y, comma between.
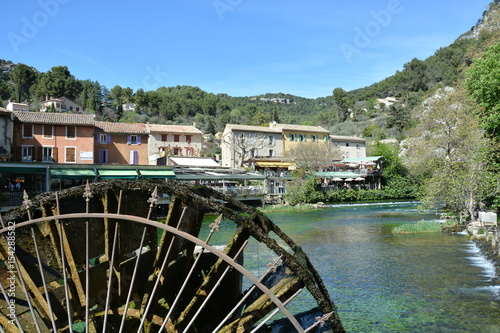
x: 385, y: 282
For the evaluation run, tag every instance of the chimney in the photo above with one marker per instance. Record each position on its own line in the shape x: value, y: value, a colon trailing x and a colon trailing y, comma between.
x: 194, y: 124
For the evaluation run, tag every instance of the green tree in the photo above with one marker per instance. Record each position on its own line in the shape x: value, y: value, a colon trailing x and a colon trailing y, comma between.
x: 483, y: 84
x: 5, y: 90
x: 92, y: 96
x: 343, y: 102
x: 399, y: 117
x: 446, y: 150
x: 57, y: 82
x: 23, y: 77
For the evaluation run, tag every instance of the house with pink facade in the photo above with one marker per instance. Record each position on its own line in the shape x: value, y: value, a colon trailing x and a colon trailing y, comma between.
x: 53, y: 138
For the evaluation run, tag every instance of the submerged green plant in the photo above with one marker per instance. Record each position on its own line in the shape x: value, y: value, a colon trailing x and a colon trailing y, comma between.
x: 418, y: 227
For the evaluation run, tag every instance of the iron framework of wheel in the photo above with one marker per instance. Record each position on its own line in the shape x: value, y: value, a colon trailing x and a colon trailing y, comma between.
x: 95, y: 259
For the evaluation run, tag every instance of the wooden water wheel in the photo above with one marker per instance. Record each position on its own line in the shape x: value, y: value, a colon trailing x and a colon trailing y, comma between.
x: 94, y: 259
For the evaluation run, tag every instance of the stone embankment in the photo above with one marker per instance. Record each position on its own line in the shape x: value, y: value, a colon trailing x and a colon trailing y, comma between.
x: 487, y: 238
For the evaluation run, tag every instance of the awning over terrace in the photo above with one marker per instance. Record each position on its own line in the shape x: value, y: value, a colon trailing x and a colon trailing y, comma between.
x: 337, y: 174
x: 274, y: 164
x: 72, y: 173
x: 205, y: 176
x: 362, y: 160
x: 118, y: 173
x: 156, y: 173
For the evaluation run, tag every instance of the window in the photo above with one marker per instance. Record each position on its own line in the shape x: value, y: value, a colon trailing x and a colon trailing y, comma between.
x: 70, y: 132
x: 134, y: 157
x: 188, y: 138
x: 47, y: 154
x: 47, y: 131
x: 177, y: 151
x: 103, y: 156
x: 271, y: 152
x: 164, y: 137
x: 103, y: 138
x: 325, y: 138
x: 70, y: 156
x: 27, y: 154
x: 314, y: 138
x: 303, y: 138
x: 293, y: 137
x: 27, y: 130
x: 176, y: 138
x: 134, y: 139
x: 271, y: 140
x: 347, y: 144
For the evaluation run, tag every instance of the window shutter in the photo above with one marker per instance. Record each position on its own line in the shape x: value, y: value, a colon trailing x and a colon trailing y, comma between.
x: 55, y: 155
x: 139, y: 139
x: 103, y: 156
x: 134, y: 157
x: 108, y: 137
x: 128, y: 139
x: 98, y: 138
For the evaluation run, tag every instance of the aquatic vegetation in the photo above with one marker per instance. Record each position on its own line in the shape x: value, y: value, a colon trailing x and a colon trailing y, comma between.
x: 418, y: 227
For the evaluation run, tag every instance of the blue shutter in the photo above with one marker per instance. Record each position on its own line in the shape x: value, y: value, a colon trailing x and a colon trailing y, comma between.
x: 139, y: 139
x: 108, y: 138
x: 98, y: 138
x: 128, y: 139
x: 136, y: 157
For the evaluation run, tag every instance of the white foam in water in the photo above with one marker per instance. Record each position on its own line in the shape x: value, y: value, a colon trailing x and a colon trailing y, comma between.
x: 395, y: 203
x: 479, y: 260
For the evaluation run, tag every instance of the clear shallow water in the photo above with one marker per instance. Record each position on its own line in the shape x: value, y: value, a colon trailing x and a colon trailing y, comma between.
x: 381, y: 282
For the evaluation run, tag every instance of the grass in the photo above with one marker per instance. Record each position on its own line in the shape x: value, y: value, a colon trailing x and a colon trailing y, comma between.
x: 418, y: 227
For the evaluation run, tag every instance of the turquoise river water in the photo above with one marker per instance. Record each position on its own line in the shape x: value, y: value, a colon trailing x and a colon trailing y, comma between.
x: 385, y: 282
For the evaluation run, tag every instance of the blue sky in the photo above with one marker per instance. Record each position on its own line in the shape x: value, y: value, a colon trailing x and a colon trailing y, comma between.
x: 237, y: 47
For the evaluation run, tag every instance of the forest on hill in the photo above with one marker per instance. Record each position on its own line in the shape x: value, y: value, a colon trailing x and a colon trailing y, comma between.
x: 357, y: 112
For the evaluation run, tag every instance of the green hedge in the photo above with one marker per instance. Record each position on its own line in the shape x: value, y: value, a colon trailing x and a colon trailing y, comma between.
x: 309, y: 191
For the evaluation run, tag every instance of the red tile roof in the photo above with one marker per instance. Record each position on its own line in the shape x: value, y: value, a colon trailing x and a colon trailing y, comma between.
x: 54, y: 118
x: 119, y: 128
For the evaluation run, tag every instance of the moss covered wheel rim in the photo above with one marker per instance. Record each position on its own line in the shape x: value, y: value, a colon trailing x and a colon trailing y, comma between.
x: 90, y: 259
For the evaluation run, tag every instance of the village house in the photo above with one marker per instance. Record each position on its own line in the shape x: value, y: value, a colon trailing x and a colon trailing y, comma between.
x: 53, y: 138
x: 239, y: 143
x: 351, y: 146
x: 12, y: 106
x: 294, y: 135
x: 62, y: 104
x: 121, y: 143
x: 128, y: 107
x: 388, y: 101
x: 173, y: 140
